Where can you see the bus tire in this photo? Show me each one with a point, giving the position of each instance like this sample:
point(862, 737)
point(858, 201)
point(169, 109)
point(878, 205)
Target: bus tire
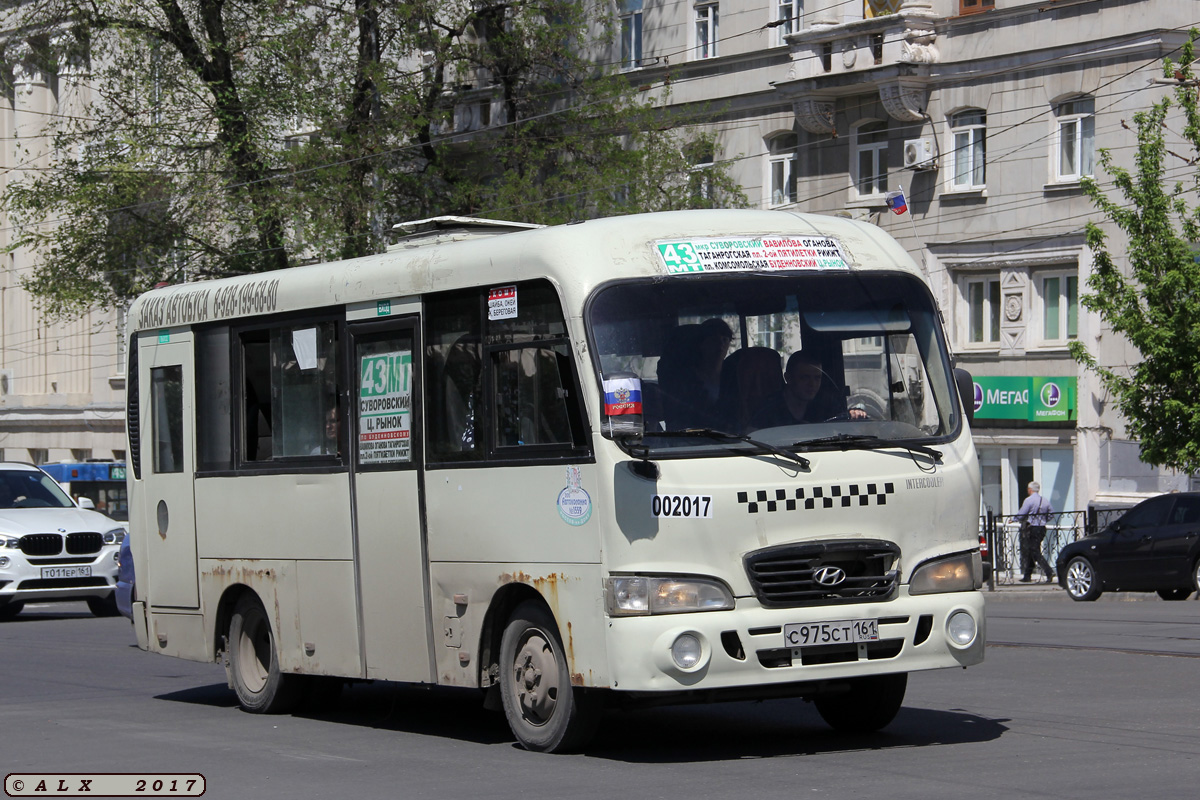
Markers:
point(254, 662)
point(103, 606)
point(870, 704)
point(545, 712)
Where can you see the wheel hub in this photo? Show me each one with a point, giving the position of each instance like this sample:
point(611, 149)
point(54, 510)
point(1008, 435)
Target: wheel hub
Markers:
point(536, 675)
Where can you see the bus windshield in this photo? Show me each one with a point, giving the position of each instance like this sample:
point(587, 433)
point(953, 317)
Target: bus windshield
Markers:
point(802, 361)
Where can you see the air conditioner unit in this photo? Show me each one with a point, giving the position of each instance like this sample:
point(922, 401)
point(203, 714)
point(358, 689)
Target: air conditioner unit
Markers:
point(918, 154)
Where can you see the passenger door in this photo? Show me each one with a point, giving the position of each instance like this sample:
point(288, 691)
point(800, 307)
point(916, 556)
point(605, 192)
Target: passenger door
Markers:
point(1128, 555)
point(169, 512)
point(1175, 542)
point(385, 447)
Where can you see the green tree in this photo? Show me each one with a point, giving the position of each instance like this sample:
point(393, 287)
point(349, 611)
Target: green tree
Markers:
point(234, 136)
point(1156, 305)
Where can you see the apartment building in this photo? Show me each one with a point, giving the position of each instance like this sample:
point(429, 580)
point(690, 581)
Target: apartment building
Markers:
point(62, 383)
point(987, 113)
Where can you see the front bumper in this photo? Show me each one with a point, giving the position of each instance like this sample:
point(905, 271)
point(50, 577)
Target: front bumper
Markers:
point(744, 648)
point(22, 579)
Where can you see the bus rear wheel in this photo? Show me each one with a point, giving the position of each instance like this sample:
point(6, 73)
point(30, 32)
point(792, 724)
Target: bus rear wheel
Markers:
point(545, 712)
point(870, 704)
point(254, 662)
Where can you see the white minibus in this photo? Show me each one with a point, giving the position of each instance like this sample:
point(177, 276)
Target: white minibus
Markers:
point(675, 457)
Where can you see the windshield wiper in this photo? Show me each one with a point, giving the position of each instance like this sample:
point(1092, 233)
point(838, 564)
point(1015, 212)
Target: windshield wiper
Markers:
point(863, 441)
point(710, 433)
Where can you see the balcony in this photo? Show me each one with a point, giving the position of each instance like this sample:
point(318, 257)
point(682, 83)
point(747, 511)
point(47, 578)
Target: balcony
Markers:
point(892, 54)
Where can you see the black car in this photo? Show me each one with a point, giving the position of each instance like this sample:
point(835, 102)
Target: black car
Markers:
point(1153, 547)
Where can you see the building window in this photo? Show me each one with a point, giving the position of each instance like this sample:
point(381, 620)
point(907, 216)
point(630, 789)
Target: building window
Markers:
point(631, 34)
point(975, 6)
point(700, 180)
point(706, 30)
point(781, 169)
point(1074, 138)
point(769, 331)
point(787, 14)
point(1059, 297)
point(983, 309)
point(968, 131)
point(870, 158)
point(827, 57)
point(39, 455)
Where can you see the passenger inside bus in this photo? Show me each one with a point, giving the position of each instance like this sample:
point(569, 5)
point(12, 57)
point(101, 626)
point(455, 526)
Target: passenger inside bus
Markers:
point(808, 395)
point(689, 374)
point(750, 375)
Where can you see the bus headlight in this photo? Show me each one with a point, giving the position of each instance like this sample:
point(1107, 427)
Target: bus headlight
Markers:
point(958, 573)
point(115, 536)
point(638, 595)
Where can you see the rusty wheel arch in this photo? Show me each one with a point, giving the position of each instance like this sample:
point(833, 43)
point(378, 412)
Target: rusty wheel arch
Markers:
point(504, 602)
point(225, 606)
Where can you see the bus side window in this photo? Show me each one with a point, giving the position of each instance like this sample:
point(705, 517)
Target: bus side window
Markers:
point(289, 392)
point(166, 418)
point(256, 396)
point(214, 449)
point(532, 383)
point(531, 396)
point(454, 388)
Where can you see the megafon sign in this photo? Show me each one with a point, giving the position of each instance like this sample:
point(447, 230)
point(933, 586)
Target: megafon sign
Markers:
point(1025, 397)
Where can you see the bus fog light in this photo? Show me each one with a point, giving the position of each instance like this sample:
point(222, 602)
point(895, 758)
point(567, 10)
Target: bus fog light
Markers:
point(961, 627)
point(686, 651)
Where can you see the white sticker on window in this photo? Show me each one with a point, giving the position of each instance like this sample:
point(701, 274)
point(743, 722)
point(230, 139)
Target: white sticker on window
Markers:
point(754, 253)
point(385, 408)
point(304, 345)
point(502, 303)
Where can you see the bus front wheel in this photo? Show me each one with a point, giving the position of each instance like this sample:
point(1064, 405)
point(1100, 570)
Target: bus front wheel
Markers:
point(869, 704)
point(254, 662)
point(545, 712)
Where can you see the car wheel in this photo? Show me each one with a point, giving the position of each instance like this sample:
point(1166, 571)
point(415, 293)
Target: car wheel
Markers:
point(11, 609)
point(103, 606)
point(1196, 575)
point(254, 662)
point(870, 704)
point(1081, 581)
point(545, 712)
point(1174, 594)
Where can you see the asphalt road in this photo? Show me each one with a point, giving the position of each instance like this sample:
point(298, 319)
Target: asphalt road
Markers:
point(1075, 700)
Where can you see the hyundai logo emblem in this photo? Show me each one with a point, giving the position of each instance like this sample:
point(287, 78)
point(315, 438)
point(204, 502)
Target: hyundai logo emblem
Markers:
point(830, 576)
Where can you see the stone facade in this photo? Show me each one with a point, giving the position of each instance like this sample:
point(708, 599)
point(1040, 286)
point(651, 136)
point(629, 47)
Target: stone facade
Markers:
point(986, 114)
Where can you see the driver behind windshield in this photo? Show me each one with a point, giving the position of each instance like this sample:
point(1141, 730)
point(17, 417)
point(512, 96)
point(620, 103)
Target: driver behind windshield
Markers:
point(808, 395)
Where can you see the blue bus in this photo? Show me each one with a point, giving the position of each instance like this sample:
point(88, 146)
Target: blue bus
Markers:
point(103, 482)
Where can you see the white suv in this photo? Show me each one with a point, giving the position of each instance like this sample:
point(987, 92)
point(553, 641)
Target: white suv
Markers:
point(50, 548)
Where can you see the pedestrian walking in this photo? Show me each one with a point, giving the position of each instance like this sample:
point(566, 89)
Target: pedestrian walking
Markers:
point(1035, 513)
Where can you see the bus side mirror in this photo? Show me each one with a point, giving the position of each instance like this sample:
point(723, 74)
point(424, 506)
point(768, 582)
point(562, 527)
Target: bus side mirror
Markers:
point(86, 502)
point(623, 406)
point(966, 392)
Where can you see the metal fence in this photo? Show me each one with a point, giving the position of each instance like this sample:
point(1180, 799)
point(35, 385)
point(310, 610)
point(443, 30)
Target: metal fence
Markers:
point(1003, 536)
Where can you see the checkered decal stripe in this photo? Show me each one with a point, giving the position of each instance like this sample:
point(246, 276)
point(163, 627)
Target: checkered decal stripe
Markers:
point(856, 494)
